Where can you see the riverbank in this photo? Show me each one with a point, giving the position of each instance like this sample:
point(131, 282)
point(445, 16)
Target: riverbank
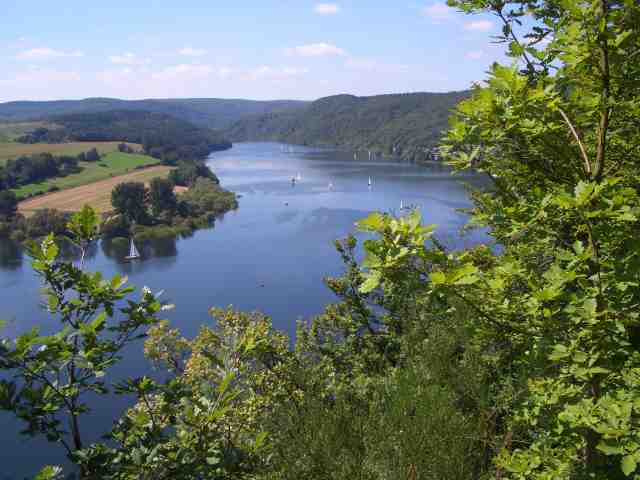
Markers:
point(183, 209)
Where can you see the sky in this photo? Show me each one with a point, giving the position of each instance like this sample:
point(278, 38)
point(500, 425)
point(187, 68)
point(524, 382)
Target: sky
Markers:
point(255, 49)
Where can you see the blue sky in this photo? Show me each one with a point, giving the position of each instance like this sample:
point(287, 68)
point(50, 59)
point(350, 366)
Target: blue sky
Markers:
point(263, 49)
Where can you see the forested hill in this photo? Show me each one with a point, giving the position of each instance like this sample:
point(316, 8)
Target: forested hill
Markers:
point(205, 112)
point(405, 124)
point(162, 136)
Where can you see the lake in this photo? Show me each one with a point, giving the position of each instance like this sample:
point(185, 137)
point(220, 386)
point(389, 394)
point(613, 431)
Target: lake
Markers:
point(270, 255)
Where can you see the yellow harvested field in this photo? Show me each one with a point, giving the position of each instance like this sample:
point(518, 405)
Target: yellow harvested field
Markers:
point(97, 194)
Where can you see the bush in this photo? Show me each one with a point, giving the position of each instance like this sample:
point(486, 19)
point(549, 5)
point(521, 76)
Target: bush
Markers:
point(115, 226)
point(207, 197)
point(43, 222)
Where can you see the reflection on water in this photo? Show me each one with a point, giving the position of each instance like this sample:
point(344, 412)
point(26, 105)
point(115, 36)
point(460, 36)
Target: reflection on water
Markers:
point(118, 248)
point(271, 254)
point(10, 255)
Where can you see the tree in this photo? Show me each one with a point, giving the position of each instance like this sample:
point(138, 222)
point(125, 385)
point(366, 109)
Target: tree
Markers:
point(124, 148)
point(47, 378)
point(8, 204)
point(189, 171)
point(130, 199)
point(92, 155)
point(559, 137)
point(161, 196)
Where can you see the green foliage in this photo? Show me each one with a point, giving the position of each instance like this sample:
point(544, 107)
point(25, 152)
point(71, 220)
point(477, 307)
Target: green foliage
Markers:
point(130, 199)
point(187, 173)
point(161, 196)
point(42, 223)
point(84, 225)
point(8, 205)
point(560, 139)
point(216, 113)
point(407, 125)
point(162, 136)
point(519, 363)
point(207, 198)
point(110, 165)
point(48, 376)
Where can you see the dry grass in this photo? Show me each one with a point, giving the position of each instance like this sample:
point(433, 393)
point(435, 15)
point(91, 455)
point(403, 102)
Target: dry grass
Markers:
point(13, 150)
point(97, 194)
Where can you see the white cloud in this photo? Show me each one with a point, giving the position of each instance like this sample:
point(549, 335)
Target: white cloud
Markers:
point(267, 72)
point(192, 52)
point(475, 55)
point(42, 84)
point(371, 65)
point(185, 70)
point(326, 8)
point(479, 26)
point(438, 12)
point(186, 73)
point(45, 53)
point(128, 59)
point(316, 50)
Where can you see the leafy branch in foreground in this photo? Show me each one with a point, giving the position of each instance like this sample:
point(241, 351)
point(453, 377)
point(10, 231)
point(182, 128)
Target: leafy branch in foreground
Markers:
point(50, 376)
point(558, 134)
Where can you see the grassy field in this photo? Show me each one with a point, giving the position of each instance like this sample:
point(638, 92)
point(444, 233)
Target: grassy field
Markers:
point(9, 131)
point(96, 194)
point(12, 150)
point(112, 164)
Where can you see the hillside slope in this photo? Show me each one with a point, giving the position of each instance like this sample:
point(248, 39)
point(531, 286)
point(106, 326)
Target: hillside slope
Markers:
point(405, 124)
point(204, 112)
point(162, 136)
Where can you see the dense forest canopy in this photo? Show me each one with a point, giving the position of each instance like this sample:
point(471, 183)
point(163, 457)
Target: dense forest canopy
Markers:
point(213, 113)
point(408, 125)
point(162, 136)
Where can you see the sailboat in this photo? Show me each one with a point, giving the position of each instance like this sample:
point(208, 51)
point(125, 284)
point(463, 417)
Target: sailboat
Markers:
point(355, 156)
point(330, 186)
point(133, 252)
point(401, 205)
point(369, 181)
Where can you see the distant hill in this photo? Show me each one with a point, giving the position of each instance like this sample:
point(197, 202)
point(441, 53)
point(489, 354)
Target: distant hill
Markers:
point(204, 112)
point(405, 124)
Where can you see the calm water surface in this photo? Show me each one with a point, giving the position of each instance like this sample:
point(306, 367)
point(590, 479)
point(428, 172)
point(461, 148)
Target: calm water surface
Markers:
point(270, 255)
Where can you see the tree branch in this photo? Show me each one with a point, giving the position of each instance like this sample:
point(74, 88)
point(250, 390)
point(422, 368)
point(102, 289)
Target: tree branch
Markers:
point(585, 157)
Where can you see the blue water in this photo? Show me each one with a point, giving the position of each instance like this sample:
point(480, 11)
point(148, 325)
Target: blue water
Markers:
point(270, 255)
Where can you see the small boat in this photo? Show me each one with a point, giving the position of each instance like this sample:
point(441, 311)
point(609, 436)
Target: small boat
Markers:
point(133, 252)
point(369, 181)
point(401, 205)
point(330, 186)
point(355, 156)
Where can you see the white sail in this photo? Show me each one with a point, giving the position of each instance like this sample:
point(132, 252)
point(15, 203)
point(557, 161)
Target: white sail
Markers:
point(369, 181)
point(133, 252)
point(401, 205)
